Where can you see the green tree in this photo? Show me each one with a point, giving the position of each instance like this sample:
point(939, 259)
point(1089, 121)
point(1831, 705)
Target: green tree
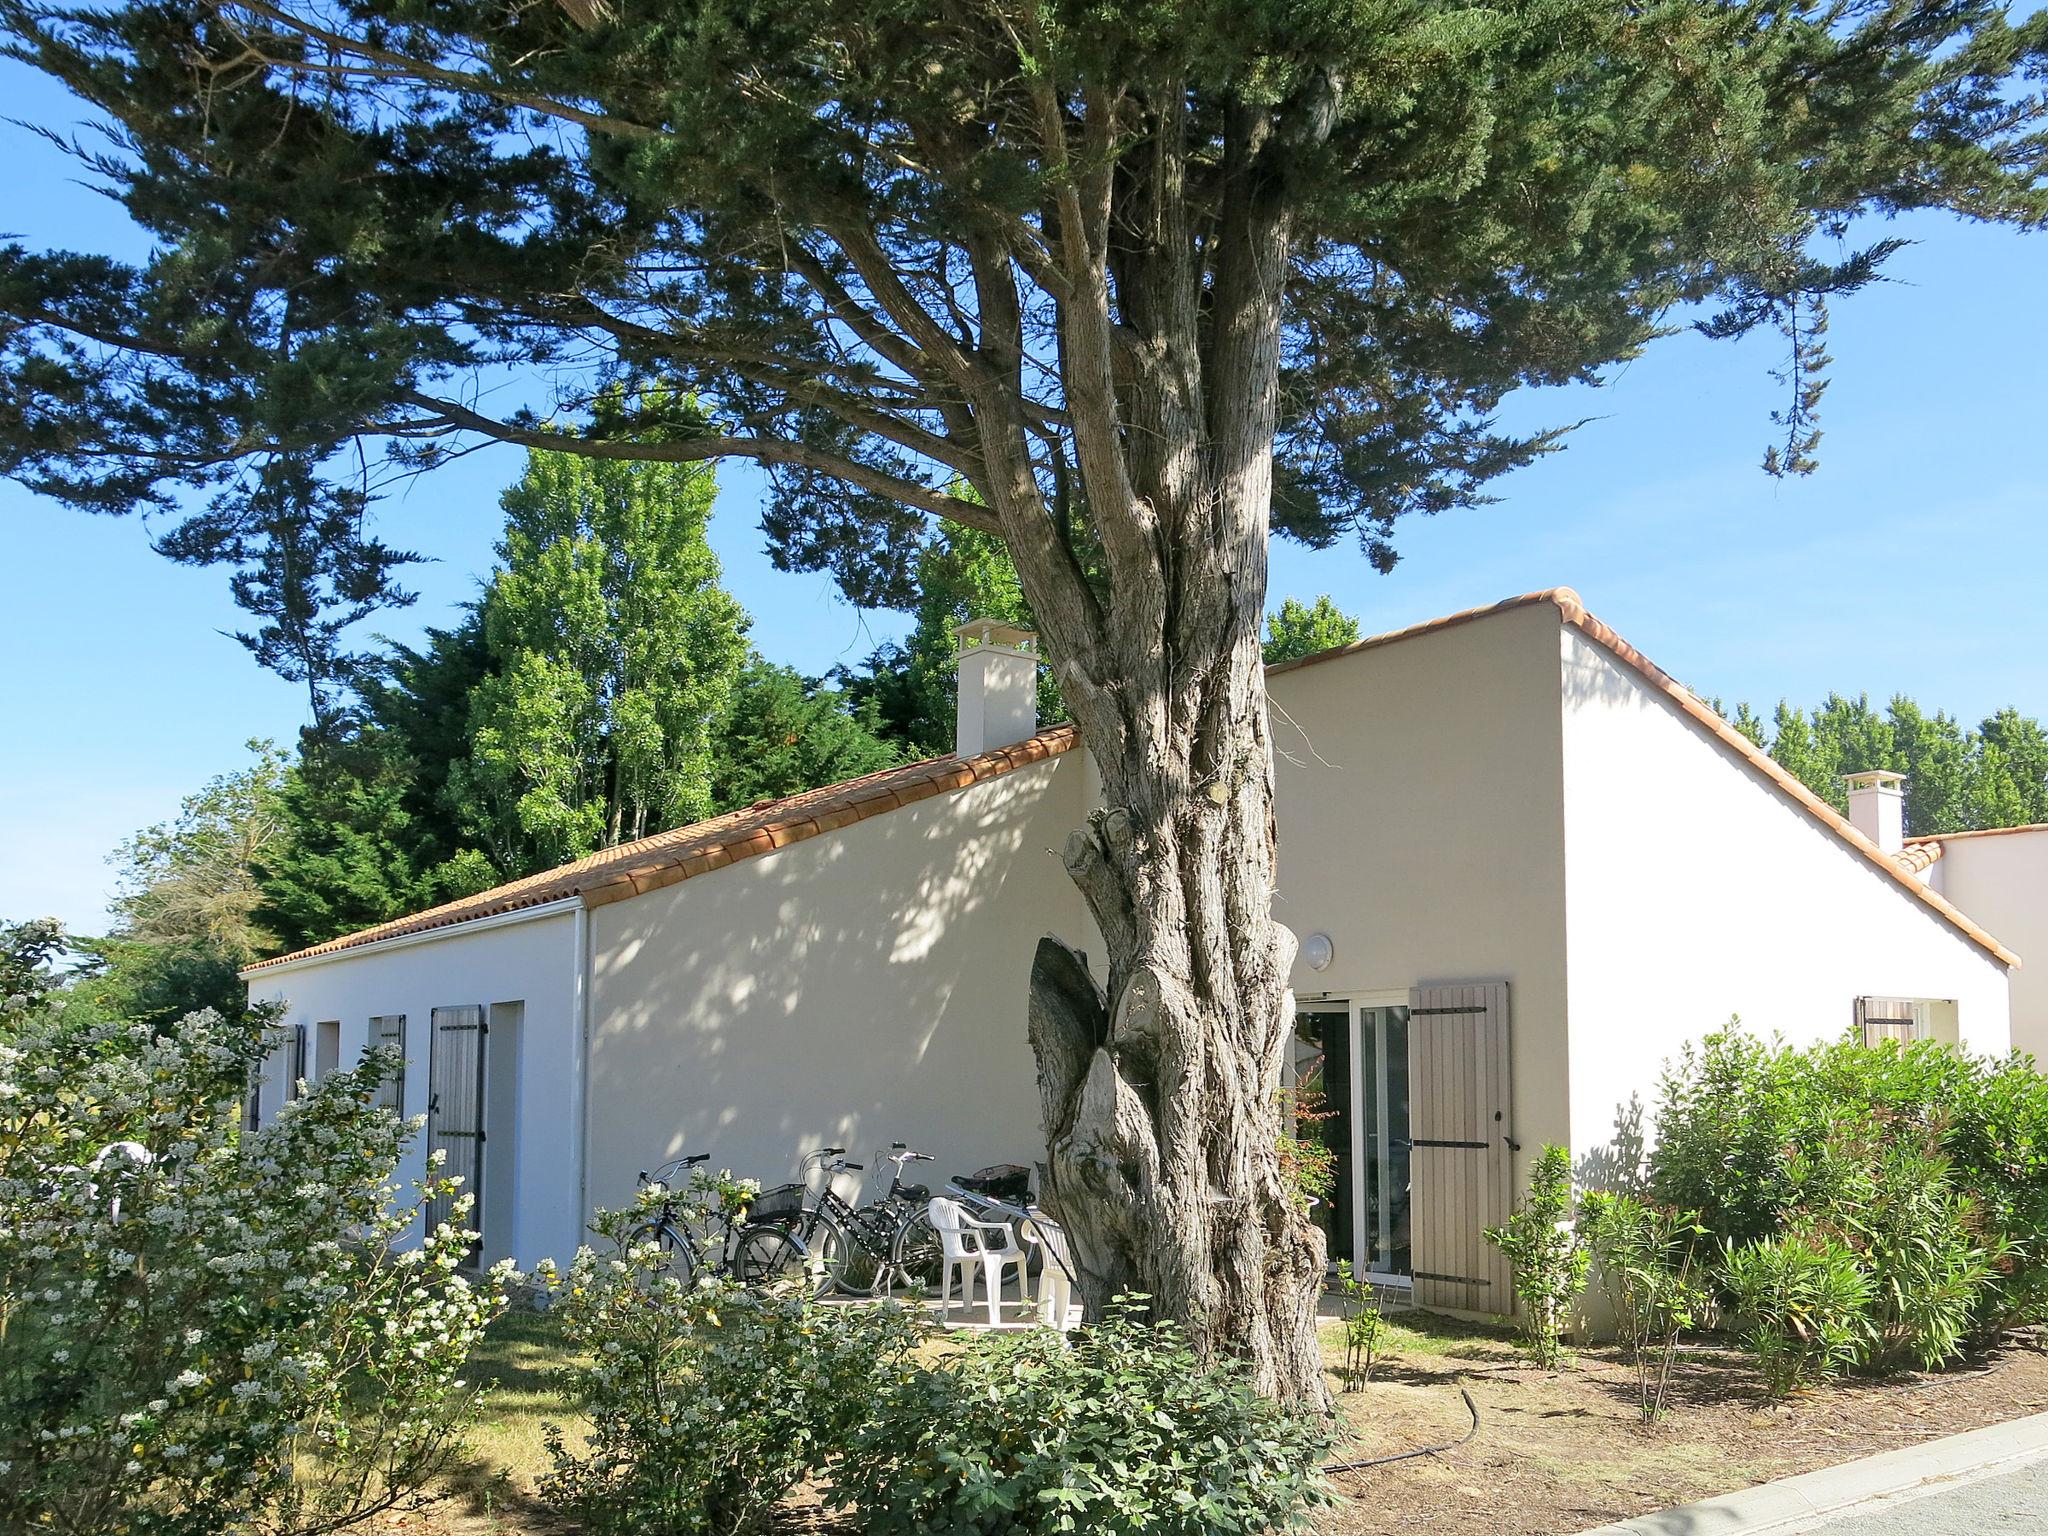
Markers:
point(1796, 749)
point(193, 880)
point(1150, 282)
point(614, 651)
point(782, 733)
point(2021, 748)
point(1294, 631)
point(914, 687)
point(1933, 752)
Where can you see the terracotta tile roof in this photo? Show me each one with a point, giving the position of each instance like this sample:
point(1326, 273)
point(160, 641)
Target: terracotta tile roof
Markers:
point(1949, 837)
point(632, 869)
point(1918, 854)
point(1568, 603)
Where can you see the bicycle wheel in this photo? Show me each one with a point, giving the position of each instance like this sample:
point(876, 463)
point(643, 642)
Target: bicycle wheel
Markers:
point(767, 1254)
point(862, 1269)
point(678, 1259)
point(915, 1255)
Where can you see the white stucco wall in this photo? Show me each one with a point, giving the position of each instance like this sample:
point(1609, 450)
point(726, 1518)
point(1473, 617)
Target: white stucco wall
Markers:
point(2001, 880)
point(531, 962)
point(1698, 890)
point(1421, 827)
point(857, 988)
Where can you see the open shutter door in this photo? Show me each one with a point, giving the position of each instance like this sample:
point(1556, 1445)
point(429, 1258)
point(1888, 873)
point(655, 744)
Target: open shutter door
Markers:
point(455, 1108)
point(1461, 1169)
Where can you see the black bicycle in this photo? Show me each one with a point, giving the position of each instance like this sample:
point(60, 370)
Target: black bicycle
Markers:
point(724, 1243)
point(867, 1249)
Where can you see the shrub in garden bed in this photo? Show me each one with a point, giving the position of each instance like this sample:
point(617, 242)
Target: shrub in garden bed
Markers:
point(1549, 1255)
point(1113, 1431)
point(1877, 1207)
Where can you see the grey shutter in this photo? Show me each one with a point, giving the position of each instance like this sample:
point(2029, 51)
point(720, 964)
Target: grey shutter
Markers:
point(1461, 1165)
point(1892, 1018)
point(455, 1107)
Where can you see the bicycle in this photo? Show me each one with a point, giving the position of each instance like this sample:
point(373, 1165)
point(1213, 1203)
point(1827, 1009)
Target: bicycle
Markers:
point(863, 1247)
point(722, 1242)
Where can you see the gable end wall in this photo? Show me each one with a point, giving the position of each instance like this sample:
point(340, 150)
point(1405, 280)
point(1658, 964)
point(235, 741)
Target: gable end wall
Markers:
point(1697, 890)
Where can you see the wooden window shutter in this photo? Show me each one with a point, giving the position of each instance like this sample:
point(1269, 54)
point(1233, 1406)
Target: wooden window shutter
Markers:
point(1903, 1019)
point(1462, 1164)
point(455, 1107)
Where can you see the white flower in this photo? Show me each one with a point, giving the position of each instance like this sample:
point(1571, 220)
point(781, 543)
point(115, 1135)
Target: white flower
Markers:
point(186, 1380)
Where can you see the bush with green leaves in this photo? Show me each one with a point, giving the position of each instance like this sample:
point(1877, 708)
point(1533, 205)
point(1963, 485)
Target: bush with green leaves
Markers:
point(204, 1328)
point(1648, 1261)
point(1115, 1430)
point(1549, 1257)
point(709, 1402)
point(1802, 1304)
point(1930, 1166)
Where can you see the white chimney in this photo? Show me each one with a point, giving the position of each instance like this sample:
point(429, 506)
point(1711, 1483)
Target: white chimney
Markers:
point(998, 686)
point(1877, 807)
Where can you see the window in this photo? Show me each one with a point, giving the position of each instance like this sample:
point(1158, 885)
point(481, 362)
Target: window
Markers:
point(297, 1075)
point(1906, 1019)
point(389, 1029)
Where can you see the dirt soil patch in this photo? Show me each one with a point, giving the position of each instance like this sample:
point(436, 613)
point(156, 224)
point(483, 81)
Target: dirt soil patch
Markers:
point(1558, 1452)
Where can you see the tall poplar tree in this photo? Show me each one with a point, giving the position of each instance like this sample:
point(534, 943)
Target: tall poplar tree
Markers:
point(1144, 281)
point(613, 651)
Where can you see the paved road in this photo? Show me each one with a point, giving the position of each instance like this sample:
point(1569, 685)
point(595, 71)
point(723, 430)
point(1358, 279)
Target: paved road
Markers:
point(2003, 1505)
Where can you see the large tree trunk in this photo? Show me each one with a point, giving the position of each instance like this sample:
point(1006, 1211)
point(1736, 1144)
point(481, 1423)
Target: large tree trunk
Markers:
point(1160, 1091)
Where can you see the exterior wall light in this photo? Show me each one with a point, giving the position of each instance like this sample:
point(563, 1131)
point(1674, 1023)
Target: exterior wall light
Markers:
point(1317, 951)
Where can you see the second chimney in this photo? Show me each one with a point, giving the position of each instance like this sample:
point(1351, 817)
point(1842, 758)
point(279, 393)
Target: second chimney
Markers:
point(1877, 807)
point(998, 686)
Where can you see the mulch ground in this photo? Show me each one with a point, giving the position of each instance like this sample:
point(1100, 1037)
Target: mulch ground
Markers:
point(1559, 1452)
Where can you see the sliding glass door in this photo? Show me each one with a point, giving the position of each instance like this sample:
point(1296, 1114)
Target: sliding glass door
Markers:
point(1350, 1075)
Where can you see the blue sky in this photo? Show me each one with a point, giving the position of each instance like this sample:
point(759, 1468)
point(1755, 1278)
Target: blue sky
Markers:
point(1913, 562)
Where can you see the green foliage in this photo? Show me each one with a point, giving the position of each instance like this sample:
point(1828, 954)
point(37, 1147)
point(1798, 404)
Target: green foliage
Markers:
point(1294, 631)
point(707, 1403)
point(204, 1328)
point(782, 733)
point(1927, 1167)
point(1114, 1431)
point(1549, 1255)
point(1647, 1258)
point(193, 880)
point(614, 650)
point(189, 912)
point(912, 689)
point(1365, 1326)
point(605, 193)
point(1957, 780)
point(1802, 1302)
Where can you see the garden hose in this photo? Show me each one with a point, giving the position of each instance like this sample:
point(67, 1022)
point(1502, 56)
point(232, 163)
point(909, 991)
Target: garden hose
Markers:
point(1471, 1407)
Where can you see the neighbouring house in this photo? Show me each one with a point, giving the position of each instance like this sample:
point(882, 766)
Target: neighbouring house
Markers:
point(2000, 877)
point(1526, 866)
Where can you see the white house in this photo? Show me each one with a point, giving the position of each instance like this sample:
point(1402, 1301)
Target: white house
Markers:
point(1527, 866)
point(2000, 877)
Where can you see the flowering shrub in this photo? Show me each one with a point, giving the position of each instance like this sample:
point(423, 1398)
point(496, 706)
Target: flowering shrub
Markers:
point(1112, 1431)
point(707, 1402)
point(203, 1328)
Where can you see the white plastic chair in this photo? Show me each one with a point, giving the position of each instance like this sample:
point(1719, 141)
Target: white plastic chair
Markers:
point(1055, 1271)
point(970, 1244)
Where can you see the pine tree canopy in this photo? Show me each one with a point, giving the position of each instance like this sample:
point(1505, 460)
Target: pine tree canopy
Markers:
point(895, 250)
